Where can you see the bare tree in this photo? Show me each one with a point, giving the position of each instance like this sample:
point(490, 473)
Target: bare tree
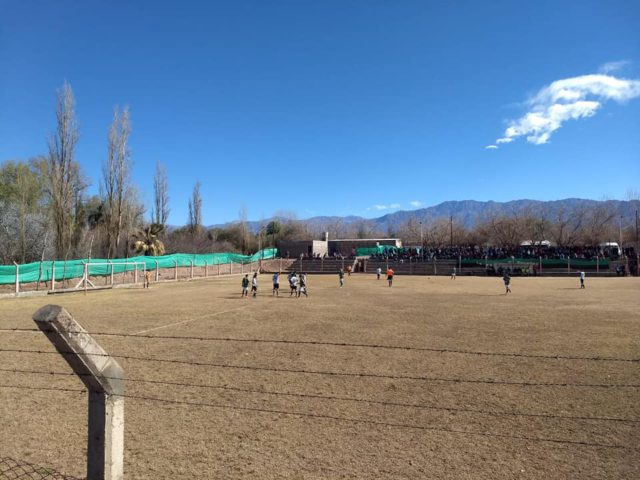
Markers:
point(160, 213)
point(62, 170)
point(567, 226)
point(242, 214)
point(599, 224)
point(195, 210)
point(116, 175)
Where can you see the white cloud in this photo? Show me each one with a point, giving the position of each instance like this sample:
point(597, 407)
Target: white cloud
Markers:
point(491, 147)
point(610, 67)
point(384, 207)
point(567, 99)
point(415, 203)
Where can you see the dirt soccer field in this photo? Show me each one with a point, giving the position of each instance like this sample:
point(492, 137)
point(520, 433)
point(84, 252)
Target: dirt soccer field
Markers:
point(449, 405)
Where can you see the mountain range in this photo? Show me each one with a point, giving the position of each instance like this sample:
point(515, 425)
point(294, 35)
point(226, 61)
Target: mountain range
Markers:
point(467, 212)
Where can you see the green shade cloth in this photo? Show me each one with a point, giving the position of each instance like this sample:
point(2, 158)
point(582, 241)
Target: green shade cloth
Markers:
point(29, 272)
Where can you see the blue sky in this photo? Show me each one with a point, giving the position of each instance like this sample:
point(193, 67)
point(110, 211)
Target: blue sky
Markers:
point(335, 107)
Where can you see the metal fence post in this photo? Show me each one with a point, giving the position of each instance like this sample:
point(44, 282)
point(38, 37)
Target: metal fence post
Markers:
point(104, 378)
point(568, 265)
point(17, 278)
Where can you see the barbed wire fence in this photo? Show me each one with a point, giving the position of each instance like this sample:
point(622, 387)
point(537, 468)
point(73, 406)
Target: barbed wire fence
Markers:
point(15, 468)
point(11, 469)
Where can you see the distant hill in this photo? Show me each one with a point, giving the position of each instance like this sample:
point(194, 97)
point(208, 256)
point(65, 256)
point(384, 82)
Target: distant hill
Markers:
point(467, 212)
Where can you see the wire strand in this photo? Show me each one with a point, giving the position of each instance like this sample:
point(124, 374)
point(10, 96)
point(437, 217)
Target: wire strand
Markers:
point(346, 344)
point(347, 419)
point(337, 374)
point(333, 397)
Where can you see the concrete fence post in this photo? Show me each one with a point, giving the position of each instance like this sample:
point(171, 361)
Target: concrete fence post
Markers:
point(104, 378)
point(218, 268)
point(17, 278)
point(568, 265)
point(157, 270)
point(241, 267)
point(597, 263)
point(53, 276)
point(175, 271)
point(191, 272)
point(111, 264)
point(206, 267)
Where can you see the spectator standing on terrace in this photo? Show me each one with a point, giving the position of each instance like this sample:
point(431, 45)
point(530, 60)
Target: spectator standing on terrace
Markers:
point(245, 285)
point(341, 277)
point(507, 281)
point(390, 276)
point(254, 285)
point(276, 284)
point(378, 273)
point(582, 275)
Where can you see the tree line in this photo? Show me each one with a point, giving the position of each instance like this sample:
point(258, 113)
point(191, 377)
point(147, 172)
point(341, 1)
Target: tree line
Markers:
point(46, 212)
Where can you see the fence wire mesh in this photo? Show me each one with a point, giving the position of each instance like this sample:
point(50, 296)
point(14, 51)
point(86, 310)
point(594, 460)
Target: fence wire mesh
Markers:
point(11, 469)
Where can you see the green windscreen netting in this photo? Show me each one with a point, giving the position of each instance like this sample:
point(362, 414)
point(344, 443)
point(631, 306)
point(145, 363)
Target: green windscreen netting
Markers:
point(546, 262)
point(43, 271)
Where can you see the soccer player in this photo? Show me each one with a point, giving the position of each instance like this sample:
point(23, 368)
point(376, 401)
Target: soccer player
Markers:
point(453, 273)
point(507, 281)
point(303, 285)
point(390, 276)
point(582, 275)
point(147, 279)
point(293, 284)
point(276, 284)
point(378, 273)
point(245, 286)
point(341, 277)
point(254, 285)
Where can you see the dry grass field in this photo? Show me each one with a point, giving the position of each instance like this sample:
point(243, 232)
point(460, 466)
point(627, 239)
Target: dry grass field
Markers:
point(417, 412)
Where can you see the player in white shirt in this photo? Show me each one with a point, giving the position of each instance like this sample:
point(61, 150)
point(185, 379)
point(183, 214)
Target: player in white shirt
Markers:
point(582, 275)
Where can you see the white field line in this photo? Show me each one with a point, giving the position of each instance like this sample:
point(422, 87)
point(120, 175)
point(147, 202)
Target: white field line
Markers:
point(189, 320)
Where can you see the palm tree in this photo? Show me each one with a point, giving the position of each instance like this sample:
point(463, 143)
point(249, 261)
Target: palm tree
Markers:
point(147, 242)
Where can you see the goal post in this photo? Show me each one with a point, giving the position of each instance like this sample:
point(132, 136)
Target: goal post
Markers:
point(108, 269)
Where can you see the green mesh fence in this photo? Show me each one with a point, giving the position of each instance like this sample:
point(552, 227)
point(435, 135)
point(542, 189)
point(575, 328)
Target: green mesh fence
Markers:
point(546, 262)
point(43, 271)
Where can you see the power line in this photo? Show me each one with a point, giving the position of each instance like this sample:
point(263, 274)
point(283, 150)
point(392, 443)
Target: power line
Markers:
point(339, 374)
point(351, 420)
point(334, 397)
point(345, 344)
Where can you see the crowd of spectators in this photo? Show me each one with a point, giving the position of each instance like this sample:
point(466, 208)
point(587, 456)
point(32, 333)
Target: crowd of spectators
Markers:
point(480, 252)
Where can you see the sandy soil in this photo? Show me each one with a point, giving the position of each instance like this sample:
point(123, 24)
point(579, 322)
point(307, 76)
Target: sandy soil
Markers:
point(233, 439)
